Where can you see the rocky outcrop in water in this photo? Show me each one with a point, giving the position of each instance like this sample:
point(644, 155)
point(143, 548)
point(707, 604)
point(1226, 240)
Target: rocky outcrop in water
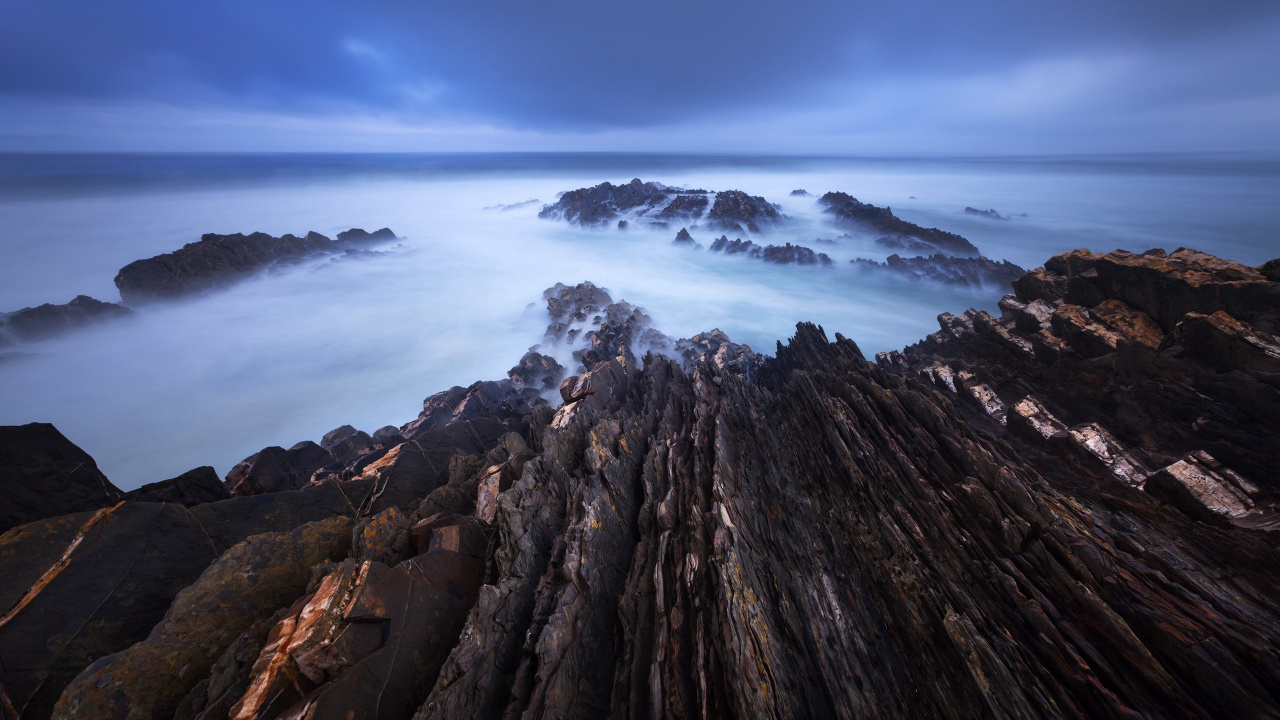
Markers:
point(605, 202)
point(1066, 512)
point(219, 259)
point(989, 214)
point(736, 210)
point(898, 234)
point(43, 321)
point(976, 272)
point(787, 254)
point(684, 239)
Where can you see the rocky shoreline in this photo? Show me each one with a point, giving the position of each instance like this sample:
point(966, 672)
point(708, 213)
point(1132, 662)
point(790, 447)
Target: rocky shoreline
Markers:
point(1067, 511)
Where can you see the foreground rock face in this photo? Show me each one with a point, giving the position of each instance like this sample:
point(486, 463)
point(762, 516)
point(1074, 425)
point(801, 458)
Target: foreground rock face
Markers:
point(34, 323)
point(898, 234)
point(1014, 518)
point(193, 487)
point(218, 259)
point(43, 474)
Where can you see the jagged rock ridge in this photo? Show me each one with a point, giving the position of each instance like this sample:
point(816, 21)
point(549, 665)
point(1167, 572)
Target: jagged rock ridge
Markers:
point(960, 271)
point(217, 259)
point(899, 234)
point(808, 535)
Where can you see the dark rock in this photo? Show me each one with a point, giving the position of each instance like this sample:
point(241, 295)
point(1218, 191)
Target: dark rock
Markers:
point(274, 469)
point(193, 487)
point(849, 210)
point(115, 573)
point(537, 371)
point(602, 203)
point(683, 238)
point(245, 585)
point(34, 323)
point(219, 259)
point(685, 206)
point(43, 474)
point(737, 247)
point(801, 193)
point(794, 255)
point(964, 272)
point(989, 214)
point(622, 224)
point(736, 210)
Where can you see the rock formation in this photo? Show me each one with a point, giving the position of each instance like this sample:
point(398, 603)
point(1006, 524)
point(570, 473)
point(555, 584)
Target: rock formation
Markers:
point(43, 474)
point(801, 193)
point(964, 272)
point(898, 234)
point(193, 487)
point(1065, 512)
point(787, 254)
point(218, 259)
point(603, 203)
point(34, 323)
point(684, 239)
point(989, 214)
point(736, 210)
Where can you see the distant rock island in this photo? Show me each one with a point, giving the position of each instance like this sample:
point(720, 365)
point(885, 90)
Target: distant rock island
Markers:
point(218, 259)
point(898, 234)
point(1069, 510)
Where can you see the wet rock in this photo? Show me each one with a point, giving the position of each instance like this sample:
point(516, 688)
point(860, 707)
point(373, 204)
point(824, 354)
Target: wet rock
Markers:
point(684, 239)
point(601, 204)
point(537, 371)
point(736, 210)
point(34, 323)
point(989, 214)
point(974, 272)
point(193, 487)
point(789, 254)
point(685, 206)
point(218, 259)
point(43, 474)
point(900, 233)
point(245, 585)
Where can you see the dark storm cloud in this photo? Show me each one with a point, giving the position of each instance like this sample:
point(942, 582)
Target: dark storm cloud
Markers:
point(597, 66)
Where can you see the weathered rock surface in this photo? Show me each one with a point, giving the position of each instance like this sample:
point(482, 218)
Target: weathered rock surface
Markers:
point(247, 584)
point(43, 474)
point(736, 210)
point(787, 254)
point(974, 272)
point(274, 469)
point(899, 234)
point(1017, 517)
point(605, 202)
point(218, 259)
point(193, 487)
point(42, 321)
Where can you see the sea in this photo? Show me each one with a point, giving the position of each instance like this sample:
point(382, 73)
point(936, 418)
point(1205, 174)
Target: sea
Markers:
point(293, 352)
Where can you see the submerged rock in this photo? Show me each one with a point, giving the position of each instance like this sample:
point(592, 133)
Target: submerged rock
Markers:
point(219, 259)
point(899, 234)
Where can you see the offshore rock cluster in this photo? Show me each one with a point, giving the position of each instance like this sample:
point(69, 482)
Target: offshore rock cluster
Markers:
point(1064, 512)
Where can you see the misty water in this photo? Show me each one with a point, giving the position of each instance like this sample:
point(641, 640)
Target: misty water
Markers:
point(291, 354)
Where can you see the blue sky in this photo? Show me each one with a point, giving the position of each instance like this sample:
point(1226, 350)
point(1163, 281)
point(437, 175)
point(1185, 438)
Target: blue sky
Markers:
point(983, 77)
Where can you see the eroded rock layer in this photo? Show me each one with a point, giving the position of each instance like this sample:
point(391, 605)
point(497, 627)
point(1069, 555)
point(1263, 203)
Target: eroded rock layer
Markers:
point(1016, 518)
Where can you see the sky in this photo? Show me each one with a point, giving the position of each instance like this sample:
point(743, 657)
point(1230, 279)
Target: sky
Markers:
point(815, 77)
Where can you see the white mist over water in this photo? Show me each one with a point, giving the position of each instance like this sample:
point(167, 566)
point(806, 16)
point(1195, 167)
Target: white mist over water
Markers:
point(290, 355)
